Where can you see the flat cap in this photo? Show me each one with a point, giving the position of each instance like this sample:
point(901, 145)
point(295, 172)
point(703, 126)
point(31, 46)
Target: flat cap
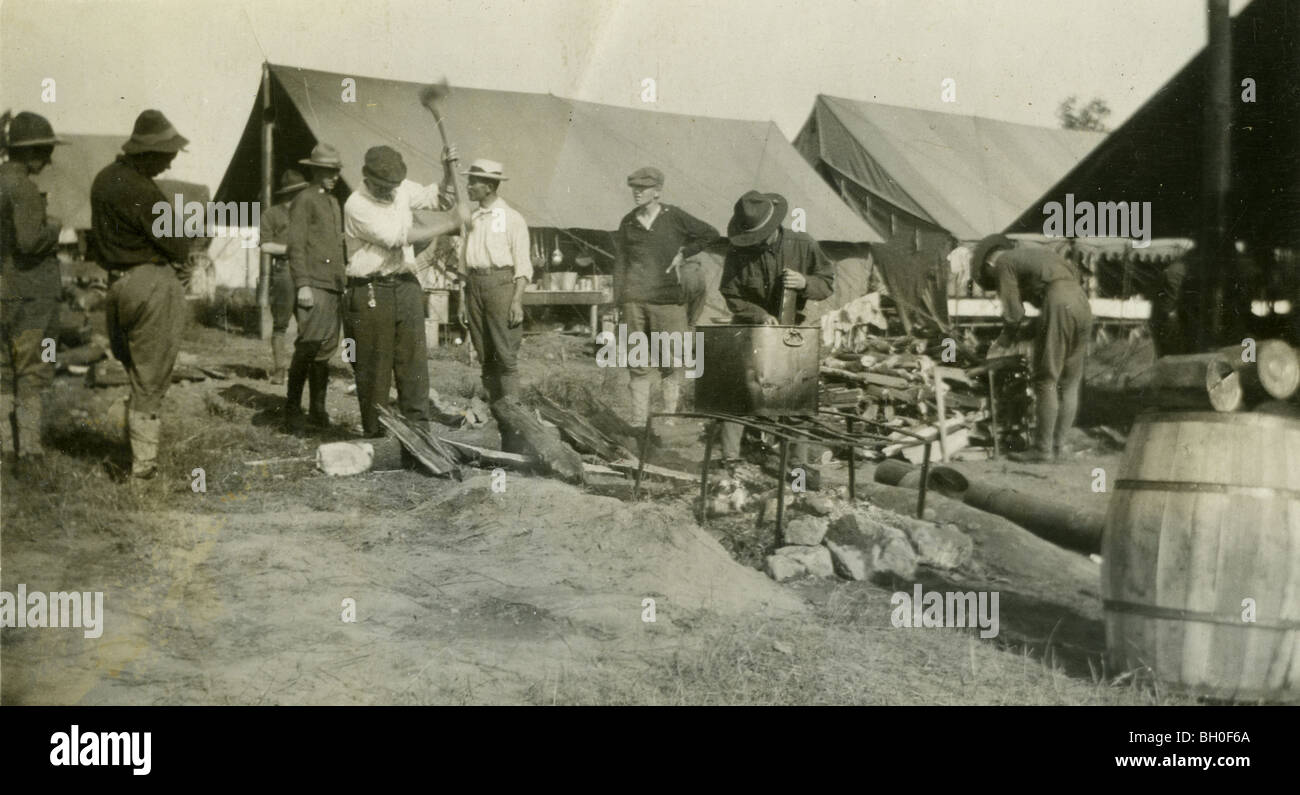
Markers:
point(648, 177)
point(384, 164)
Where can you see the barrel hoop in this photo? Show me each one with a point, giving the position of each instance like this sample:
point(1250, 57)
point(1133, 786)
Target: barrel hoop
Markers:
point(1180, 614)
point(1206, 488)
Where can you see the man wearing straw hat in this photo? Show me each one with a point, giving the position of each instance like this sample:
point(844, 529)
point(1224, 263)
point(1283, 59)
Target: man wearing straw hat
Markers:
point(384, 304)
point(317, 260)
point(146, 309)
point(651, 244)
point(29, 283)
point(275, 241)
point(497, 258)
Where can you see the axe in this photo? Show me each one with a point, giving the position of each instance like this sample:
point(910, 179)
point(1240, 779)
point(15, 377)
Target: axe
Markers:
point(431, 97)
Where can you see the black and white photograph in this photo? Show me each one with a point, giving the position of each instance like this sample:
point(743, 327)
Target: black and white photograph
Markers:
point(675, 353)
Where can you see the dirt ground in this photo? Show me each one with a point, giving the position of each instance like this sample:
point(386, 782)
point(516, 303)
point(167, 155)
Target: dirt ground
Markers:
point(536, 594)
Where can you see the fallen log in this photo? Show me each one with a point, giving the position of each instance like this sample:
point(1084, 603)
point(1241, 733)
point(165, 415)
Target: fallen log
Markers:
point(1275, 373)
point(555, 456)
point(1196, 381)
point(1072, 529)
point(581, 434)
point(426, 448)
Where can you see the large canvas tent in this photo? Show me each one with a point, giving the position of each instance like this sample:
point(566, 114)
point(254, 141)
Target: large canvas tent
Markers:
point(567, 160)
point(935, 177)
point(1158, 154)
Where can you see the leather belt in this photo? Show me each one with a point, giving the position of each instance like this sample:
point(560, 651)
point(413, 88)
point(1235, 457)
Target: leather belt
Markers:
point(382, 281)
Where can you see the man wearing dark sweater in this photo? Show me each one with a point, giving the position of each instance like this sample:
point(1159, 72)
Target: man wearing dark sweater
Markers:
point(651, 243)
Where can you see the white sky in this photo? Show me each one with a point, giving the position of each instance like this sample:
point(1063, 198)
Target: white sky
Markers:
point(199, 60)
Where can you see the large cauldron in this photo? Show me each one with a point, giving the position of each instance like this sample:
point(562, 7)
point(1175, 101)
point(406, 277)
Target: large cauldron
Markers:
point(769, 371)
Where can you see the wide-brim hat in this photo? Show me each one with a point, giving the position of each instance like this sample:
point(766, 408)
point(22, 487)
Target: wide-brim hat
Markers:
point(323, 156)
point(291, 180)
point(486, 169)
point(983, 249)
point(153, 133)
point(30, 129)
point(755, 217)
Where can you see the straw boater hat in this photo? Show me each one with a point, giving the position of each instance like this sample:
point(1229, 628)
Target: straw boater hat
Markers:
point(291, 180)
point(153, 133)
point(30, 129)
point(755, 217)
point(323, 156)
point(486, 169)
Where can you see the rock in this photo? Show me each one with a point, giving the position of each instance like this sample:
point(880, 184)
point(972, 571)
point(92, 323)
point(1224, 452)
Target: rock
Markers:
point(893, 554)
point(942, 546)
point(769, 508)
point(805, 530)
point(345, 458)
point(817, 505)
point(849, 562)
point(784, 567)
point(816, 560)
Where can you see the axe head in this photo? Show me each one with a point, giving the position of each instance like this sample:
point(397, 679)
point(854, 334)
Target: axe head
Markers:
point(434, 92)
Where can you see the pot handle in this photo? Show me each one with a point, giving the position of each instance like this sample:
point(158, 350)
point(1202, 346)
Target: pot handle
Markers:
point(793, 338)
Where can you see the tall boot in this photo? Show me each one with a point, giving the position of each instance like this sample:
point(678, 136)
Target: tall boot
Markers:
point(7, 434)
point(279, 357)
point(298, 369)
point(318, 380)
point(29, 410)
point(672, 392)
point(144, 429)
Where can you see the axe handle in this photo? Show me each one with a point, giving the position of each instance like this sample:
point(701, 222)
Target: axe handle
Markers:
point(457, 185)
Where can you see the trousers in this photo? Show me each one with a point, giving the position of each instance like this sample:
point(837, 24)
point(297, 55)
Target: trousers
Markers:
point(1059, 355)
point(488, 293)
point(146, 315)
point(318, 326)
point(25, 324)
point(390, 346)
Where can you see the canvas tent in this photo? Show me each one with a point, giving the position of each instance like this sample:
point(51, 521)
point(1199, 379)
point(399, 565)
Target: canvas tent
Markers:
point(1158, 154)
point(567, 161)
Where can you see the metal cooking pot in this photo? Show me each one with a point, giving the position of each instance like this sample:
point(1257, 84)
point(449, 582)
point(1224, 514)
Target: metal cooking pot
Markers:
point(769, 371)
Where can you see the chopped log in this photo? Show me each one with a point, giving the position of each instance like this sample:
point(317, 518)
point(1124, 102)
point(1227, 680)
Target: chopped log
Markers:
point(556, 457)
point(1274, 374)
point(473, 454)
point(426, 448)
point(1196, 381)
point(878, 379)
point(584, 436)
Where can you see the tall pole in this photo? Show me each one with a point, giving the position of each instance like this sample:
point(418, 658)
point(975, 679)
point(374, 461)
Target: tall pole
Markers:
point(1217, 252)
point(268, 160)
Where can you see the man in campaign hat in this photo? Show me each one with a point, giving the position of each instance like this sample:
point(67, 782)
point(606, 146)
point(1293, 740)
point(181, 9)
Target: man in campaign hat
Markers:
point(763, 261)
point(650, 246)
point(29, 283)
point(146, 309)
point(317, 259)
point(275, 241)
point(1041, 276)
point(384, 303)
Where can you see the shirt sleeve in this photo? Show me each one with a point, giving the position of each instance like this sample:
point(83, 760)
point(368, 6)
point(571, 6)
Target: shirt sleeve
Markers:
point(743, 310)
point(620, 264)
point(175, 247)
point(1013, 309)
point(697, 234)
point(428, 197)
point(272, 232)
point(34, 236)
point(520, 250)
point(300, 214)
point(819, 272)
point(370, 223)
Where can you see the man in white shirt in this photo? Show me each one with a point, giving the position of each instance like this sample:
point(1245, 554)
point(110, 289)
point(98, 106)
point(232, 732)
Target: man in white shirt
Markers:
point(384, 305)
point(497, 260)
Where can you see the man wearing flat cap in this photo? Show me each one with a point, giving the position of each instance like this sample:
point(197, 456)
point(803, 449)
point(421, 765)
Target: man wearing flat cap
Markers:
point(146, 309)
point(497, 259)
point(316, 263)
point(764, 260)
point(650, 246)
point(30, 285)
point(1041, 276)
point(384, 304)
point(275, 241)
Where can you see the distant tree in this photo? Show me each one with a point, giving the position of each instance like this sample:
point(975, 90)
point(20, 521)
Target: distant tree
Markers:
point(1089, 117)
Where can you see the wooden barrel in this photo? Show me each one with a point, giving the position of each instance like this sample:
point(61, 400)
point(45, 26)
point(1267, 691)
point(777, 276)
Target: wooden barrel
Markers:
point(1204, 516)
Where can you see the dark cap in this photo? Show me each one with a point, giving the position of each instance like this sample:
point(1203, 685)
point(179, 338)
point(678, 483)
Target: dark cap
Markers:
point(648, 177)
point(384, 164)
